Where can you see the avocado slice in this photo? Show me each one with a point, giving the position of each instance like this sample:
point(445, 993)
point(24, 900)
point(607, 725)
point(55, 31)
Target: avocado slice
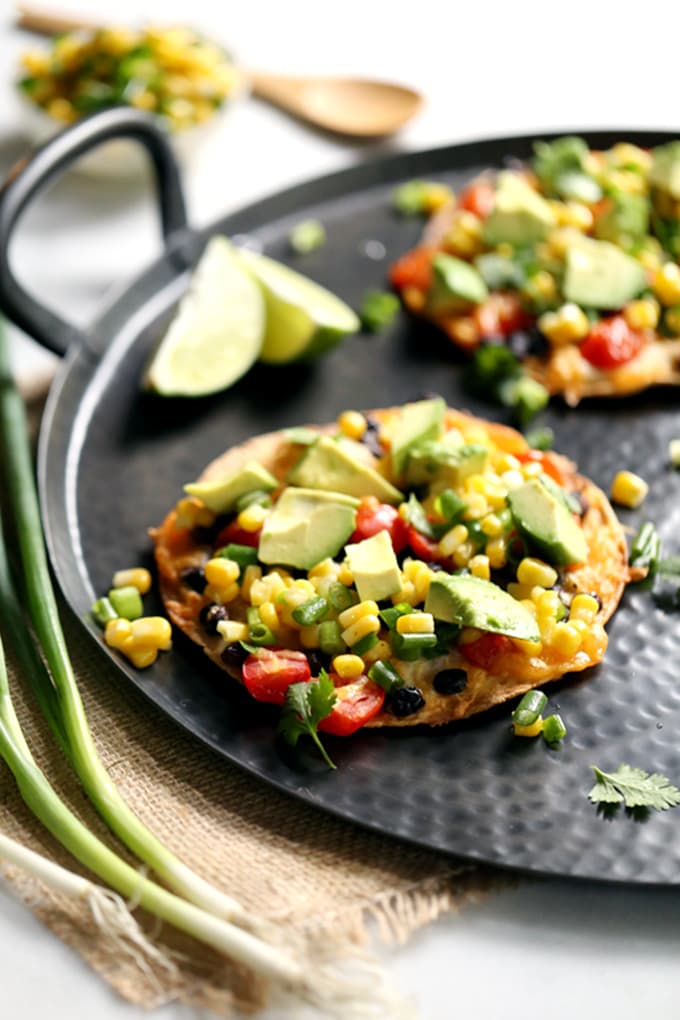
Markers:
point(221, 494)
point(600, 275)
point(520, 216)
point(306, 526)
point(454, 283)
point(438, 461)
point(417, 423)
point(328, 464)
point(374, 567)
point(625, 220)
point(665, 170)
point(547, 523)
point(472, 602)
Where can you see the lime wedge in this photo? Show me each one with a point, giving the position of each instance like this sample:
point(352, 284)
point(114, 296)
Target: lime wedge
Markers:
point(217, 332)
point(303, 319)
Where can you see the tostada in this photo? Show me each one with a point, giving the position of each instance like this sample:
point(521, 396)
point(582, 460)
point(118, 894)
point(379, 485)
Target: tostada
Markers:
point(570, 259)
point(432, 562)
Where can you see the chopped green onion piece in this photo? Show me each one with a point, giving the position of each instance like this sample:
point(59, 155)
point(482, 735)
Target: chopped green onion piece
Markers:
point(529, 708)
point(307, 236)
point(409, 647)
point(561, 611)
point(365, 644)
point(127, 602)
point(450, 505)
point(541, 439)
point(339, 596)
point(378, 309)
point(103, 612)
point(311, 611)
point(258, 632)
point(244, 555)
point(391, 615)
point(553, 729)
point(330, 638)
point(257, 496)
point(674, 452)
point(384, 674)
point(646, 548)
point(525, 396)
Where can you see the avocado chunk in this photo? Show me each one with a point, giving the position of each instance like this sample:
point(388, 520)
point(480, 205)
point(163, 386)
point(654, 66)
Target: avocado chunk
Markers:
point(221, 494)
point(665, 170)
point(600, 275)
point(306, 526)
point(374, 567)
point(417, 423)
point(328, 464)
point(625, 219)
point(548, 525)
point(455, 283)
point(440, 462)
point(472, 602)
point(520, 216)
point(499, 272)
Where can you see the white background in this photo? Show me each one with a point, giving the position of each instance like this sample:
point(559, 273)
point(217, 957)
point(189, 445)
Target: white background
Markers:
point(562, 949)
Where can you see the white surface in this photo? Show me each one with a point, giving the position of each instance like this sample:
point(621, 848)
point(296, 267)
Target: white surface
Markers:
point(555, 948)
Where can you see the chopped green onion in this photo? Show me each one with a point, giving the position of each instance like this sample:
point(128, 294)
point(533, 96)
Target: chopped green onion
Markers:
point(330, 638)
point(258, 632)
point(127, 602)
point(244, 555)
point(450, 505)
point(529, 708)
point(646, 549)
point(339, 596)
point(525, 396)
point(391, 615)
point(378, 309)
point(103, 612)
point(307, 236)
point(409, 647)
point(553, 729)
point(541, 439)
point(311, 611)
point(384, 674)
point(365, 644)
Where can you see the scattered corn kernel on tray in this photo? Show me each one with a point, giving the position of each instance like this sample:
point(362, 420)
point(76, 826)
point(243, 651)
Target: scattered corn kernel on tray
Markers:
point(114, 459)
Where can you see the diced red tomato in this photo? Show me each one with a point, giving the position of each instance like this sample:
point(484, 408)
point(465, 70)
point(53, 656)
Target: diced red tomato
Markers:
point(358, 700)
point(485, 650)
point(424, 548)
point(501, 315)
point(414, 269)
point(373, 517)
point(239, 536)
point(477, 198)
point(545, 460)
point(611, 342)
point(268, 673)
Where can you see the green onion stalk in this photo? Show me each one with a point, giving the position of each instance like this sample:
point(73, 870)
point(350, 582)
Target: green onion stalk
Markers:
point(65, 712)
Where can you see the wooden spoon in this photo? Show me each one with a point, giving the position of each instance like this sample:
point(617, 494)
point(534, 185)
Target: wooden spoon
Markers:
point(361, 107)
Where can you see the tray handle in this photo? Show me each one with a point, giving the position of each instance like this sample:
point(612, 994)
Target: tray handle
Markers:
point(31, 175)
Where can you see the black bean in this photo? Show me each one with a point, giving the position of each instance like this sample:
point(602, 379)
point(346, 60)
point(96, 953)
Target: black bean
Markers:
point(317, 660)
point(371, 437)
point(194, 578)
point(524, 342)
point(450, 681)
point(211, 615)
point(403, 701)
point(234, 655)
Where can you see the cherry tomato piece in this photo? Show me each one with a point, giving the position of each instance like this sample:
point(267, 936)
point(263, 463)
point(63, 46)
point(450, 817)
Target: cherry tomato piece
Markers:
point(425, 548)
point(414, 269)
point(501, 315)
point(545, 460)
point(358, 700)
point(611, 342)
point(268, 673)
point(373, 517)
point(239, 536)
point(484, 651)
point(477, 198)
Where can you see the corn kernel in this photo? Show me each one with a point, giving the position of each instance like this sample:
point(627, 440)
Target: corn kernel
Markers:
point(251, 574)
point(269, 616)
point(191, 513)
point(407, 593)
point(628, 489)
point(528, 647)
point(253, 517)
point(566, 640)
point(506, 462)
point(496, 550)
point(415, 623)
point(491, 525)
point(583, 607)
point(152, 632)
point(380, 650)
point(452, 540)
point(222, 595)
point(532, 571)
point(674, 453)
point(666, 283)
point(352, 424)
point(477, 506)
point(309, 636)
point(547, 604)
point(512, 479)
point(135, 577)
point(348, 666)
point(569, 324)
point(141, 657)
point(463, 329)
point(220, 572)
point(642, 314)
point(468, 635)
point(117, 633)
point(232, 631)
point(324, 568)
point(532, 730)
point(532, 469)
point(267, 588)
point(463, 554)
point(350, 616)
point(479, 567)
point(345, 575)
point(364, 626)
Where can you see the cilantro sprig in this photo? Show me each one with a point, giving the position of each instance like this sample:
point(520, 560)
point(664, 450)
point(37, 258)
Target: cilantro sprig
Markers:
point(635, 788)
point(306, 704)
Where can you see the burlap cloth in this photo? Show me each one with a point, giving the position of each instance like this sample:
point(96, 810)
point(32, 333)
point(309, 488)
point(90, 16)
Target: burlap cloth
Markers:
point(322, 877)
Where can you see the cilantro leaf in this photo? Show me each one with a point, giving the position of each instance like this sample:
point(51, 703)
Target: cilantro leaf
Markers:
point(635, 788)
point(306, 704)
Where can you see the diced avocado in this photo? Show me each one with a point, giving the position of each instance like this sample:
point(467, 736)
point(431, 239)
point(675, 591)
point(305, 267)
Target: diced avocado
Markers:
point(417, 423)
point(520, 216)
point(374, 567)
point(548, 525)
point(441, 462)
point(331, 465)
point(221, 494)
point(472, 602)
point(306, 526)
point(624, 220)
point(579, 186)
point(455, 283)
point(499, 272)
point(600, 275)
point(665, 169)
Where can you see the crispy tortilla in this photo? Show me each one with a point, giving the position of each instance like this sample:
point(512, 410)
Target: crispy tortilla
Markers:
point(605, 574)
